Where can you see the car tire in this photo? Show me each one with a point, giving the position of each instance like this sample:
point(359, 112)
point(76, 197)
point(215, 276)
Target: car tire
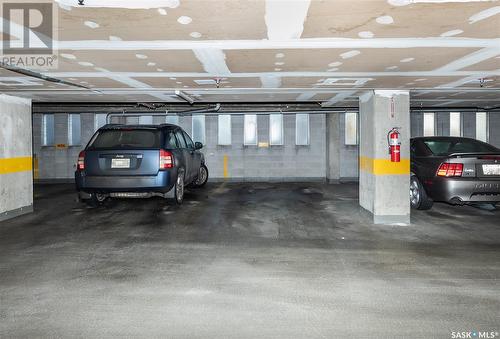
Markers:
point(179, 189)
point(96, 199)
point(418, 197)
point(202, 178)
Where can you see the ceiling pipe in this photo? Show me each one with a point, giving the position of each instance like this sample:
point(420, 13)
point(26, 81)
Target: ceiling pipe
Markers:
point(41, 76)
point(232, 108)
point(185, 96)
point(182, 113)
point(203, 110)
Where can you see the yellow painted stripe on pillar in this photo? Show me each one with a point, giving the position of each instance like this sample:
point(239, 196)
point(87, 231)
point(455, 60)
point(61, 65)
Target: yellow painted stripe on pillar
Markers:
point(13, 165)
point(226, 172)
point(384, 166)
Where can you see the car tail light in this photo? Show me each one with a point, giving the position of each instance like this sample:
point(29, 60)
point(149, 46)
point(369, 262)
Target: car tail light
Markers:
point(166, 159)
point(81, 161)
point(450, 170)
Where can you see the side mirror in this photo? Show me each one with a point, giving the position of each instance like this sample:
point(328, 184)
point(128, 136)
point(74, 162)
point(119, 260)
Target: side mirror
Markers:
point(198, 145)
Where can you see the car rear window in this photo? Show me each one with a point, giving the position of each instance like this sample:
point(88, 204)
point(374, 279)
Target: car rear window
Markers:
point(125, 138)
point(445, 147)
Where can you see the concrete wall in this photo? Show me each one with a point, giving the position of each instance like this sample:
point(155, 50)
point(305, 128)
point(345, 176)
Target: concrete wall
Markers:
point(494, 124)
point(59, 162)
point(16, 178)
point(288, 162)
point(417, 124)
point(349, 154)
point(468, 125)
point(244, 163)
point(333, 142)
point(342, 160)
point(326, 153)
point(442, 123)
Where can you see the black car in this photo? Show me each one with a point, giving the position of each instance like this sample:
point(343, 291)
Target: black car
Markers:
point(139, 161)
point(453, 170)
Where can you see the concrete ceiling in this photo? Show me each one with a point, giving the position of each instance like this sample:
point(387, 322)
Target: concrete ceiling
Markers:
point(329, 51)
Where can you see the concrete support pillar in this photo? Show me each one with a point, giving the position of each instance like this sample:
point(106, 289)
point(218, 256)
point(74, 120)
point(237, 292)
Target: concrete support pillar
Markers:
point(333, 147)
point(384, 185)
point(16, 178)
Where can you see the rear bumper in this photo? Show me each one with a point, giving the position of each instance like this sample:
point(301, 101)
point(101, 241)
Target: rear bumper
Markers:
point(463, 190)
point(161, 183)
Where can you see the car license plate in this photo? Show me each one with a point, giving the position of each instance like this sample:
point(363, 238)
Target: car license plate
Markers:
point(491, 169)
point(120, 163)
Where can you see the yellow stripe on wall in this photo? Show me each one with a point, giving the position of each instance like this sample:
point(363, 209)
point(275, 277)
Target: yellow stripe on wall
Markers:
point(226, 172)
point(13, 165)
point(384, 166)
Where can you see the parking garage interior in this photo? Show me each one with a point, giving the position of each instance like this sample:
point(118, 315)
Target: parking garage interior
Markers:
point(304, 228)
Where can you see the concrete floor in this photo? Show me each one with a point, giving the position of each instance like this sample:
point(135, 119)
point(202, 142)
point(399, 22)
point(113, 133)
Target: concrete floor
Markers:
point(246, 261)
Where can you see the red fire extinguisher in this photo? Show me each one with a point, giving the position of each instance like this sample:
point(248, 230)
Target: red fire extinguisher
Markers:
point(394, 144)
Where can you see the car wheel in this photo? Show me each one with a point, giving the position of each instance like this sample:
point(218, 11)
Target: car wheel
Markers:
point(418, 197)
point(96, 199)
point(202, 178)
point(179, 189)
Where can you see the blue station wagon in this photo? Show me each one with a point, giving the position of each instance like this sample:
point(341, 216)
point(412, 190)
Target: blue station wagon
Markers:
point(139, 161)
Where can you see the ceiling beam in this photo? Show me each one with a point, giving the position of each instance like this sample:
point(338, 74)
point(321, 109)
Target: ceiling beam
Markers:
point(309, 43)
